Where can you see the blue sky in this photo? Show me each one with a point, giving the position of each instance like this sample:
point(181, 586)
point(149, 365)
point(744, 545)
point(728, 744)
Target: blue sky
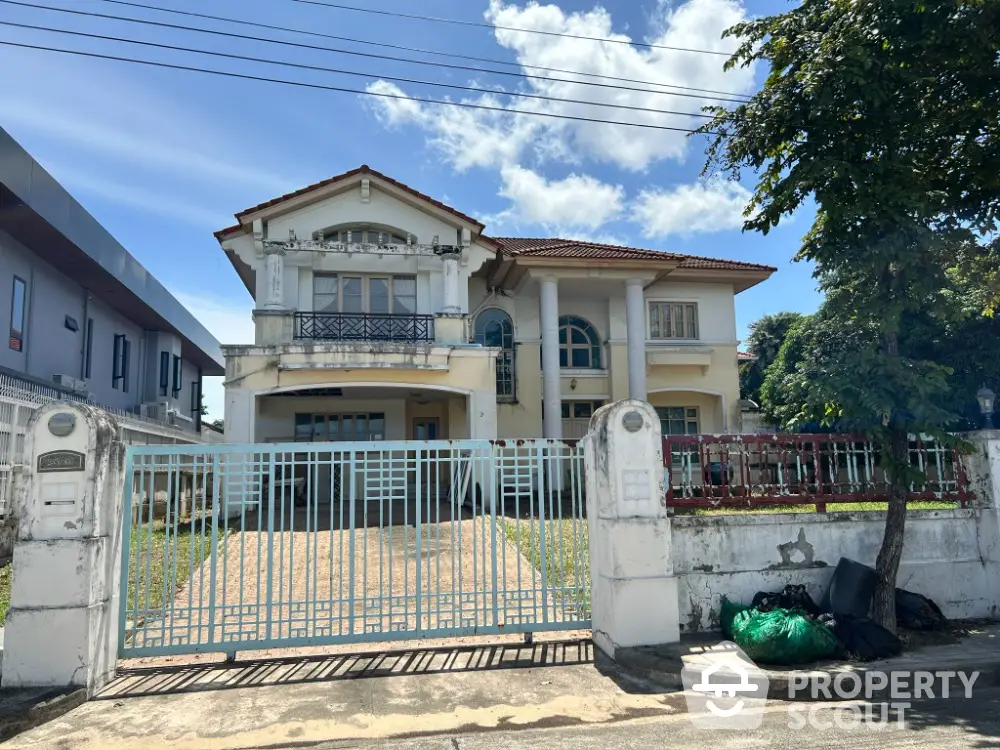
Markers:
point(162, 158)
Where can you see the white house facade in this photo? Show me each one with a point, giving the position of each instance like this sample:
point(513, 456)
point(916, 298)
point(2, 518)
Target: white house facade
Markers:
point(383, 314)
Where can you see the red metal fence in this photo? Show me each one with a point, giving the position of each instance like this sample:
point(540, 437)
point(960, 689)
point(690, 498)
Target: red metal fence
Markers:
point(704, 471)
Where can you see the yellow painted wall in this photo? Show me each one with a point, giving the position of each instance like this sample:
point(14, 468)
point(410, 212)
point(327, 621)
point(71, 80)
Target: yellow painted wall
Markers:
point(709, 407)
point(721, 378)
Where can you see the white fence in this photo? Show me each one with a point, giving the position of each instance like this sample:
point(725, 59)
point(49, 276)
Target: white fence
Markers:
point(19, 398)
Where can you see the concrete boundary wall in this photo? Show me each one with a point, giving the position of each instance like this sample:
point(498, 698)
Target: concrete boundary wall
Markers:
point(944, 557)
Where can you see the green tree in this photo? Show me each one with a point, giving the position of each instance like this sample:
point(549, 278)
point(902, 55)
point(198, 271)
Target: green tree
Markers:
point(765, 338)
point(885, 113)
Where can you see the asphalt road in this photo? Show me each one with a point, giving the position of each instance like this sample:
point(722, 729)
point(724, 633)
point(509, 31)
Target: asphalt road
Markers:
point(955, 723)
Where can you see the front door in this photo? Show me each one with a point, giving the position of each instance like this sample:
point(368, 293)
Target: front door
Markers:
point(426, 428)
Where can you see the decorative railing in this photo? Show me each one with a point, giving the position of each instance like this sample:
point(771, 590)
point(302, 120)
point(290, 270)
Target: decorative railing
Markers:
point(363, 327)
point(757, 470)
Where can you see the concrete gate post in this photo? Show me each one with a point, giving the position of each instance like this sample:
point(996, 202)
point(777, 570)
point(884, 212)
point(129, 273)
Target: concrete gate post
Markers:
point(62, 627)
point(983, 472)
point(633, 590)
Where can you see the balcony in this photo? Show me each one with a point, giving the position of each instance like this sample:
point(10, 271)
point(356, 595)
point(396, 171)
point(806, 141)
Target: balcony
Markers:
point(363, 327)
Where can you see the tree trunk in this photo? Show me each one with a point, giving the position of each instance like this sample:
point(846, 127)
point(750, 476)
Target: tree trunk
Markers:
point(887, 563)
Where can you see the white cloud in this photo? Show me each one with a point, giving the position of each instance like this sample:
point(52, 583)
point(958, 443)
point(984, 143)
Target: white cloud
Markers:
point(491, 139)
point(231, 322)
point(576, 202)
point(690, 209)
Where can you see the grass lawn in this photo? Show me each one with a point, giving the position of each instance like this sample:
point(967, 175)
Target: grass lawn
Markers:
point(567, 553)
point(160, 571)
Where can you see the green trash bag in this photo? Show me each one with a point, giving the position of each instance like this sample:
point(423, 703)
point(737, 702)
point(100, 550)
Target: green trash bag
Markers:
point(782, 636)
point(728, 612)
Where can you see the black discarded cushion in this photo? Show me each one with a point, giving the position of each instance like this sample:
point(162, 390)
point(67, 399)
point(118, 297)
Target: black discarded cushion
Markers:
point(851, 589)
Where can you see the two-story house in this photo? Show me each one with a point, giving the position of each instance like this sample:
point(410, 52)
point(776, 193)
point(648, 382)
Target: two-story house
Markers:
point(383, 314)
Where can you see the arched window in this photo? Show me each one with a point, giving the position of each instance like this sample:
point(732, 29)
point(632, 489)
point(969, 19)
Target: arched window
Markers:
point(579, 345)
point(495, 329)
point(368, 233)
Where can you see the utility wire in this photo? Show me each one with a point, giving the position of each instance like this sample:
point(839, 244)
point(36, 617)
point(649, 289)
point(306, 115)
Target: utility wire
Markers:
point(420, 50)
point(302, 45)
point(344, 89)
point(302, 66)
point(480, 24)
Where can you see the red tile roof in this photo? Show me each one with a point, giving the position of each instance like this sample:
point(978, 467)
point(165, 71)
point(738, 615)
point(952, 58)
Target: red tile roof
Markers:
point(745, 356)
point(558, 248)
point(363, 169)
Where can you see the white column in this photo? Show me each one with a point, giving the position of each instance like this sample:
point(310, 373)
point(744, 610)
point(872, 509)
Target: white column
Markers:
point(274, 269)
point(635, 320)
point(551, 385)
point(452, 304)
point(633, 588)
point(241, 415)
point(62, 627)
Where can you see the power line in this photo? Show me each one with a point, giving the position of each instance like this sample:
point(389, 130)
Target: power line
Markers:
point(302, 66)
point(420, 50)
point(302, 45)
point(344, 89)
point(480, 24)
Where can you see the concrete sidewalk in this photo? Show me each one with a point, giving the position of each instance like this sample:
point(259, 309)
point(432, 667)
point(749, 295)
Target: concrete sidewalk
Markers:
point(304, 700)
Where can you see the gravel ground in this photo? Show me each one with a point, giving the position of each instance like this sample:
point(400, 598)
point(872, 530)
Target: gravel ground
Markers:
point(314, 591)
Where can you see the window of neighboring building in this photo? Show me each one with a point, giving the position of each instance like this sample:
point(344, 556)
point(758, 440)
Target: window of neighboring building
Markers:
point(579, 345)
point(495, 329)
point(321, 428)
point(673, 320)
point(164, 373)
point(344, 293)
point(18, 312)
point(195, 399)
point(678, 420)
point(177, 384)
point(89, 348)
point(122, 354)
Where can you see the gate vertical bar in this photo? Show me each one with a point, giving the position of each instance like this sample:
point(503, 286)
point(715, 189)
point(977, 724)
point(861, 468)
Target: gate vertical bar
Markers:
point(490, 481)
point(128, 491)
point(213, 551)
point(546, 484)
point(420, 552)
point(270, 542)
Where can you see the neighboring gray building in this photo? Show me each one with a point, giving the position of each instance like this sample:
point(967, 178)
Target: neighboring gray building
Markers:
point(78, 312)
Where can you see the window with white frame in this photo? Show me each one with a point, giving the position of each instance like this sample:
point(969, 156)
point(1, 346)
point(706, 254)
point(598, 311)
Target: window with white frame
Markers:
point(357, 293)
point(678, 420)
point(322, 428)
point(673, 320)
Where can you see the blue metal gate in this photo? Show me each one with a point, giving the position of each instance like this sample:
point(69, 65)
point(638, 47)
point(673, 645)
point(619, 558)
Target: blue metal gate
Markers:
point(237, 547)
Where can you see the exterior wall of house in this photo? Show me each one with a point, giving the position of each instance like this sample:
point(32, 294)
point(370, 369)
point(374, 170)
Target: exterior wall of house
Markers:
point(349, 208)
point(50, 347)
point(713, 389)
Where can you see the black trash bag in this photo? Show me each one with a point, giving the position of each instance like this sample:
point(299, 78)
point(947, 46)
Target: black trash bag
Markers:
point(793, 596)
point(917, 612)
point(865, 638)
point(796, 597)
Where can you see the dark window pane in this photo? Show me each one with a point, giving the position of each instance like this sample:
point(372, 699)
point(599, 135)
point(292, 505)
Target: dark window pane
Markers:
point(17, 307)
point(565, 410)
point(562, 335)
point(563, 358)
point(583, 409)
point(303, 427)
point(579, 337)
point(581, 358)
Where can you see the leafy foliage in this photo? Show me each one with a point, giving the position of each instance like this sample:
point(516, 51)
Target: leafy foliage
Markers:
point(764, 341)
point(886, 114)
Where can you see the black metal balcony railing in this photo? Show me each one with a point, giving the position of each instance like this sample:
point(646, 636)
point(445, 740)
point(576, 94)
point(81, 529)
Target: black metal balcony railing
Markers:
point(364, 327)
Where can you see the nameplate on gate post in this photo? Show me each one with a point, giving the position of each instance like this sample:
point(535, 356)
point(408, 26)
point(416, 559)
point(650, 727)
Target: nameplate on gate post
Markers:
point(61, 461)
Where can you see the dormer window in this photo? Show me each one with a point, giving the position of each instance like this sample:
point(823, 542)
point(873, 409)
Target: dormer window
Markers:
point(369, 234)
